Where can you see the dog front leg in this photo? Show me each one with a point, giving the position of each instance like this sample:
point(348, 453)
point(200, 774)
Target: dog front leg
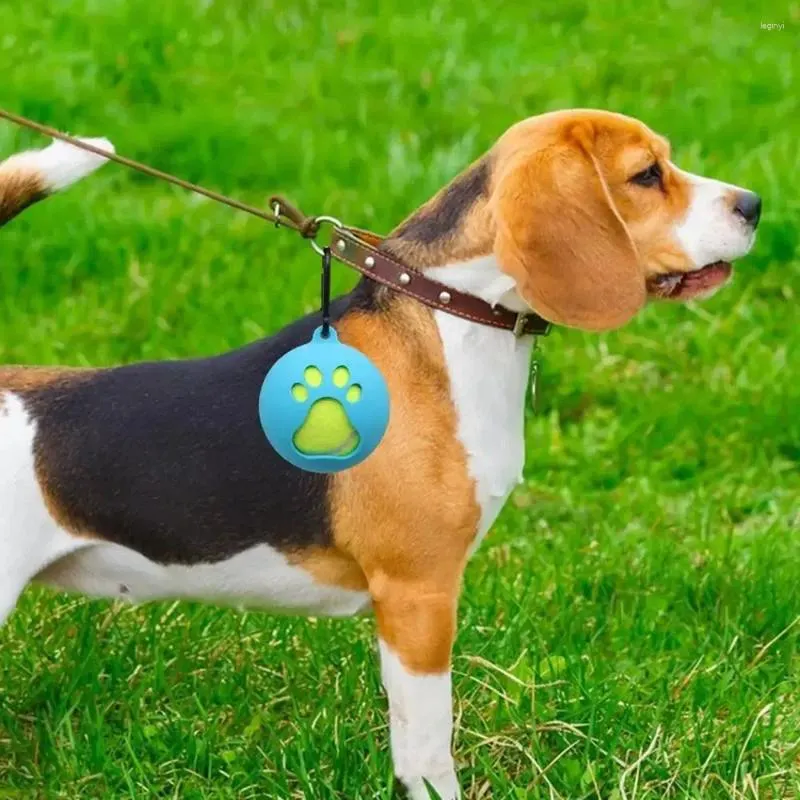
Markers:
point(416, 626)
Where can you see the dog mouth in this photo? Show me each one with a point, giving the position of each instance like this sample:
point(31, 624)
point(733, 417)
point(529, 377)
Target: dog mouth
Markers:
point(686, 285)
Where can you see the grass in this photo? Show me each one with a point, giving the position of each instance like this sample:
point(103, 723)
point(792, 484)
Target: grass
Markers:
point(631, 626)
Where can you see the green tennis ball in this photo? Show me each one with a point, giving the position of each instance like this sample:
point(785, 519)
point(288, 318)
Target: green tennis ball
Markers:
point(326, 430)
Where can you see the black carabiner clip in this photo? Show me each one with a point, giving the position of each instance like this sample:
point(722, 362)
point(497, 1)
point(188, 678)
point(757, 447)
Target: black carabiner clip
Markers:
point(326, 292)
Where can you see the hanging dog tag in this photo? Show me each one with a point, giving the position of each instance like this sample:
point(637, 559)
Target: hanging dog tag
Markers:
point(324, 406)
point(534, 375)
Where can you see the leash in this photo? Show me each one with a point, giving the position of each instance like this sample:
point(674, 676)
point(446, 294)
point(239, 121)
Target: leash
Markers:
point(356, 248)
point(290, 218)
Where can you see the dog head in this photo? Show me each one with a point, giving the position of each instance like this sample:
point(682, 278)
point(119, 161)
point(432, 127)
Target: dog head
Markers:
point(592, 217)
point(588, 215)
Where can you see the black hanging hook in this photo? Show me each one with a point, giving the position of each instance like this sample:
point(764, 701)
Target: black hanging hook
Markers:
point(326, 292)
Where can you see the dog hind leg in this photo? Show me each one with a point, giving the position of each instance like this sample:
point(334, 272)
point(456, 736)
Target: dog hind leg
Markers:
point(30, 539)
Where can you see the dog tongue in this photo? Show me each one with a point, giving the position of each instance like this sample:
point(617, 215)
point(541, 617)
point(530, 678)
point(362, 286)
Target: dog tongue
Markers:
point(680, 284)
point(707, 277)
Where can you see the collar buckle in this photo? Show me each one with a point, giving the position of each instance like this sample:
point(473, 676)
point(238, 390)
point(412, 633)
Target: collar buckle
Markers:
point(519, 324)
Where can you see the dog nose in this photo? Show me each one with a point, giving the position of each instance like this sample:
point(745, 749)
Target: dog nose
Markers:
point(748, 207)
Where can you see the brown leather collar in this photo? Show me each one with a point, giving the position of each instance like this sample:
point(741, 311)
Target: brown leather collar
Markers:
point(359, 249)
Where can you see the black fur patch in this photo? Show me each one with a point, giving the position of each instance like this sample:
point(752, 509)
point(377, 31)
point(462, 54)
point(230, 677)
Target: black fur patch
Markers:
point(169, 459)
point(443, 217)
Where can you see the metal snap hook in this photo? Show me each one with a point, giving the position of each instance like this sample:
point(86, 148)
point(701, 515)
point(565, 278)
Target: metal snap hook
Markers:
point(319, 220)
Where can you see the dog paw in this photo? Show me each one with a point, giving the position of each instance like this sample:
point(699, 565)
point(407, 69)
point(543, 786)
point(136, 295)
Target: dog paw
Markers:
point(326, 429)
point(443, 787)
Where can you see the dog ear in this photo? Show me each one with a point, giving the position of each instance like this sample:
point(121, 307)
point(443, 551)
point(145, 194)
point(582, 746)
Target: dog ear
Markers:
point(560, 236)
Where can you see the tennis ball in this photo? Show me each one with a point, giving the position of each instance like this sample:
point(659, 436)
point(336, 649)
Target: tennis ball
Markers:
point(326, 430)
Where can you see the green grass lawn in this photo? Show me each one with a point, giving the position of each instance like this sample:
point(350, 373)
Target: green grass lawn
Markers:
point(631, 628)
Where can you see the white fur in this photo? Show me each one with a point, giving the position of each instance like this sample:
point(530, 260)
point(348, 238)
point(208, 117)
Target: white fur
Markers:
point(30, 542)
point(711, 231)
point(421, 727)
point(260, 577)
point(61, 164)
point(483, 278)
point(489, 370)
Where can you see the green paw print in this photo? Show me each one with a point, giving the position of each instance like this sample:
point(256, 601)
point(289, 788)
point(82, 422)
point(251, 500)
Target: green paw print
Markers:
point(327, 429)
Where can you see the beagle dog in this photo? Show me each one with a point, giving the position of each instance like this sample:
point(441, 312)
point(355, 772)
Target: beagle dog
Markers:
point(153, 480)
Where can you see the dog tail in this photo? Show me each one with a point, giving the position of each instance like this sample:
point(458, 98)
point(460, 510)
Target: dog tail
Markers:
point(28, 177)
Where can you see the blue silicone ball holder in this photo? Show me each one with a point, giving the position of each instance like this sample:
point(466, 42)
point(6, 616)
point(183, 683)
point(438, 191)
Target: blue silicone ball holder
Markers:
point(324, 371)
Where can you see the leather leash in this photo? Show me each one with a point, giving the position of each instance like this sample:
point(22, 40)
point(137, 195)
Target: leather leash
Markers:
point(356, 248)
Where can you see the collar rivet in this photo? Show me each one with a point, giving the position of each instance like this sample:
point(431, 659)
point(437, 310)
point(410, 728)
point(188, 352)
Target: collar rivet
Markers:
point(444, 297)
point(369, 262)
point(405, 278)
point(341, 245)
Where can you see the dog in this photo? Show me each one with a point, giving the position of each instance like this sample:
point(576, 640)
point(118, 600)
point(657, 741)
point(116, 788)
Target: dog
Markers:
point(154, 480)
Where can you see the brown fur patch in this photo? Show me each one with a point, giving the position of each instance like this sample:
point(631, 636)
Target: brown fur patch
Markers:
point(29, 379)
point(417, 621)
point(331, 567)
point(19, 188)
point(58, 512)
point(408, 514)
point(26, 380)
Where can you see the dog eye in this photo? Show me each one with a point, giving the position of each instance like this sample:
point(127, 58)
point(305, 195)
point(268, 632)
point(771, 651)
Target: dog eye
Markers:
point(648, 177)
